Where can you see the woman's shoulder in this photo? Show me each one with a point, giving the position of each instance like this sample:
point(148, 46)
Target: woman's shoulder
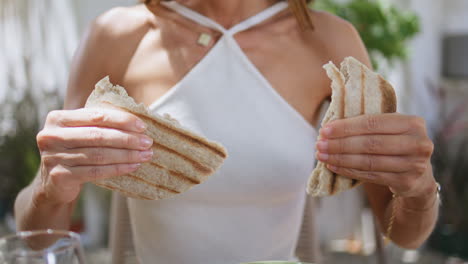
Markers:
point(115, 32)
point(339, 36)
point(121, 22)
point(326, 19)
point(333, 27)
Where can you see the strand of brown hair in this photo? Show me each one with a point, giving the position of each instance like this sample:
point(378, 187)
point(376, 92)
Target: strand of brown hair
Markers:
point(300, 10)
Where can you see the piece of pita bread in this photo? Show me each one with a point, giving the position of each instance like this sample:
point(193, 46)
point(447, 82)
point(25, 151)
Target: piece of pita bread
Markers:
point(356, 90)
point(181, 158)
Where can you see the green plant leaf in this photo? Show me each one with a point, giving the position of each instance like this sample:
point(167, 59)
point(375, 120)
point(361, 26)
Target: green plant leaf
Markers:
point(384, 29)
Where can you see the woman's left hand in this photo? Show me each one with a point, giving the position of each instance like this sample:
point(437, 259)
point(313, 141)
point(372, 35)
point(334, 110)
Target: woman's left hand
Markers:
point(386, 149)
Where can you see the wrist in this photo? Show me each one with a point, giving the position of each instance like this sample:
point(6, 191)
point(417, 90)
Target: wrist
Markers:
point(35, 209)
point(43, 198)
point(423, 202)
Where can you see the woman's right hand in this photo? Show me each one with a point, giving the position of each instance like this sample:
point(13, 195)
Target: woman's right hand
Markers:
point(78, 146)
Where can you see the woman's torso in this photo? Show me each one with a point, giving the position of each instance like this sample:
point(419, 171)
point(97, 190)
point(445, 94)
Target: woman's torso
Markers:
point(253, 205)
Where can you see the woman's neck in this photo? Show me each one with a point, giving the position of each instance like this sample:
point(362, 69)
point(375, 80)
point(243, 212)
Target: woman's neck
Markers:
point(228, 12)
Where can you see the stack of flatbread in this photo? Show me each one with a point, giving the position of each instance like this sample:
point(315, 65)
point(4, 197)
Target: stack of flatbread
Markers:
point(356, 90)
point(181, 159)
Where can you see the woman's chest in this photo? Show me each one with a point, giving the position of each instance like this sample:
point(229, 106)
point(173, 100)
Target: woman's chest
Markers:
point(291, 67)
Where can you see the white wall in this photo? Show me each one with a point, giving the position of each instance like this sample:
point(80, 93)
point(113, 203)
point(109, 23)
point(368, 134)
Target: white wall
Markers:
point(425, 60)
point(456, 17)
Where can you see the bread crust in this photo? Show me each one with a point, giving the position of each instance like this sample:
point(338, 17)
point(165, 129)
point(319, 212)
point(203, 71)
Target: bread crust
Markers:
point(182, 159)
point(389, 104)
point(356, 90)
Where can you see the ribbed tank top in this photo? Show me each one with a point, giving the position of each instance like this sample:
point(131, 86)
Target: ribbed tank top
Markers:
point(252, 208)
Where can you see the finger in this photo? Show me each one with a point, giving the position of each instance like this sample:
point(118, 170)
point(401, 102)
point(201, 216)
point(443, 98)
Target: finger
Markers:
point(103, 156)
point(372, 124)
point(370, 144)
point(99, 137)
point(101, 117)
point(380, 178)
point(93, 173)
point(66, 176)
point(382, 163)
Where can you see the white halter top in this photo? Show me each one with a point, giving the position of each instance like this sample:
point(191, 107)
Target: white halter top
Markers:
point(252, 208)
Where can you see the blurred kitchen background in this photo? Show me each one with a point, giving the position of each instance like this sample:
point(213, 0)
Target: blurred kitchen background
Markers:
point(420, 45)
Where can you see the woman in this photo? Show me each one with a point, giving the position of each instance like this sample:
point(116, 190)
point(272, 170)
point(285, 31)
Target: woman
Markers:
point(247, 74)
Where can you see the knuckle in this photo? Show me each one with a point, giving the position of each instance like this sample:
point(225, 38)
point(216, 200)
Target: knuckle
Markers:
point(119, 170)
point(131, 140)
point(95, 173)
point(425, 147)
point(370, 162)
point(418, 123)
point(429, 148)
point(97, 116)
point(41, 139)
point(130, 119)
point(96, 135)
point(346, 128)
point(372, 123)
point(45, 138)
point(49, 161)
point(406, 143)
point(406, 164)
point(58, 175)
point(372, 144)
point(420, 167)
point(54, 116)
point(341, 146)
point(98, 156)
point(370, 175)
point(337, 160)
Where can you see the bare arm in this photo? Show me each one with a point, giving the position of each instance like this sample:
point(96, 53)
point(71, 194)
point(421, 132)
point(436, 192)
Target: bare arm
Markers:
point(416, 206)
point(74, 148)
point(415, 217)
point(392, 155)
point(32, 212)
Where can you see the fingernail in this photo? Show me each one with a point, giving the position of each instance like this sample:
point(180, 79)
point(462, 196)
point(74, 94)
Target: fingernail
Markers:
point(326, 131)
point(332, 168)
point(322, 145)
point(146, 155)
point(146, 142)
point(322, 156)
point(140, 125)
point(134, 167)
